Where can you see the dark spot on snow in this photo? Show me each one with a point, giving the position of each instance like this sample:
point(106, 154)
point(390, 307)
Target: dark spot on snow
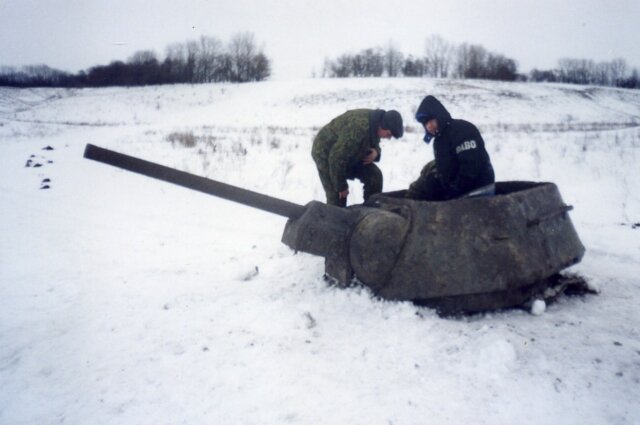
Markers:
point(556, 384)
point(37, 165)
point(597, 360)
point(47, 148)
point(619, 344)
point(49, 162)
point(46, 186)
point(619, 374)
point(205, 348)
point(166, 306)
point(253, 273)
point(311, 321)
point(632, 225)
point(46, 180)
point(28, 164)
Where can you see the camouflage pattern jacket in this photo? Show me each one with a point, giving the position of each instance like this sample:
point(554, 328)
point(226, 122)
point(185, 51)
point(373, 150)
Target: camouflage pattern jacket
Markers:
point(345, 141)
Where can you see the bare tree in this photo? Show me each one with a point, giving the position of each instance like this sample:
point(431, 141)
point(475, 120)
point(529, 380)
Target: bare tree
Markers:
point(499, 67)
point(142, 68)
point(546, 76)
point(242, 49)
point(143, 56)
point(471, 61)
point(600, 74)
point(393, 60)
point(260, 67)
point(413, 67)
point(342, 67)
point(207, 58)
point(439, 55)
point(175, 62)
point(176, 52)
point(576, 71)
point(631, 82)
point(356, 65)
point(191, 49)
point(373, 61)
point(194, 61)
point(618, 70)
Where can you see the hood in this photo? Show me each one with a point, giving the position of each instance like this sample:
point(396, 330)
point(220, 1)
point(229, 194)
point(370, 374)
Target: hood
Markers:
point(429, 108)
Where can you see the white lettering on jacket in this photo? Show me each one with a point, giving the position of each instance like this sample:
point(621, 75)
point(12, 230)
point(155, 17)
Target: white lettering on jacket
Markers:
point(469, 144)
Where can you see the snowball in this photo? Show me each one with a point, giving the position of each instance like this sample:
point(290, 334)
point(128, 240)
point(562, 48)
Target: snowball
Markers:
point(538, 307)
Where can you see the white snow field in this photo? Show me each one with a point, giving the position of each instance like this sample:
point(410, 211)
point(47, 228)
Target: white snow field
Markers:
point(126, 300)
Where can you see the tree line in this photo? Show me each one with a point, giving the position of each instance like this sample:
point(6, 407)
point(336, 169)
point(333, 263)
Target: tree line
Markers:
point(442, 59)
point(615, 73)
point(204, 60)
point(208, 59)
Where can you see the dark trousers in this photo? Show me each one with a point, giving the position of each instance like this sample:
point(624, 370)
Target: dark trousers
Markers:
point(429, 188)
point(370, 176)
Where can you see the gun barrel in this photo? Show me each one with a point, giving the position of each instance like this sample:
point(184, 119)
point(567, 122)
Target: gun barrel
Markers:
point(191, 181)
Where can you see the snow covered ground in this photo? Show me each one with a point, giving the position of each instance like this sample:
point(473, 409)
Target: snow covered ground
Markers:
point(125, 300)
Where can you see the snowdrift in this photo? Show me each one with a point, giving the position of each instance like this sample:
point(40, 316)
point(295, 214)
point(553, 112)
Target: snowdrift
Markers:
point(125, 300)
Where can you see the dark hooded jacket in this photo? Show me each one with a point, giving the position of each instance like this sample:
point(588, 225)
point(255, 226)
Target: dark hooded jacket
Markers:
point(462, 161)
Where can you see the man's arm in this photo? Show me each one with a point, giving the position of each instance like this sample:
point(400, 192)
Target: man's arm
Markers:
point(343, 152)
point(372, 155)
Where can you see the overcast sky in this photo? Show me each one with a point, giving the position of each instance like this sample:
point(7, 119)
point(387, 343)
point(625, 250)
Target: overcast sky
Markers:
point(298, 34)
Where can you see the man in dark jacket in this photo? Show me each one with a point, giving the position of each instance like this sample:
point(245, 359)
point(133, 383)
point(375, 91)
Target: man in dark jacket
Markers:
point(347, 148)
point(461, 167)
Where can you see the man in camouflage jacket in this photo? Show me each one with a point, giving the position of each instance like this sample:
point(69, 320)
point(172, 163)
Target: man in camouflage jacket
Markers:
point(347, 148)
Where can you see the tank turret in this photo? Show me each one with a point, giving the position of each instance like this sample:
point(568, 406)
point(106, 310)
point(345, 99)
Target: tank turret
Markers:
point(469, 254)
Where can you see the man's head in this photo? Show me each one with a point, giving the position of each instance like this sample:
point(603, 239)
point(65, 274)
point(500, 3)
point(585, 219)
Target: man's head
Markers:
point(391, 125)
point(433, 116)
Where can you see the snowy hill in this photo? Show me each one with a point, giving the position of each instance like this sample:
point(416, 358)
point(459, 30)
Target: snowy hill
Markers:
point(126, 300)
